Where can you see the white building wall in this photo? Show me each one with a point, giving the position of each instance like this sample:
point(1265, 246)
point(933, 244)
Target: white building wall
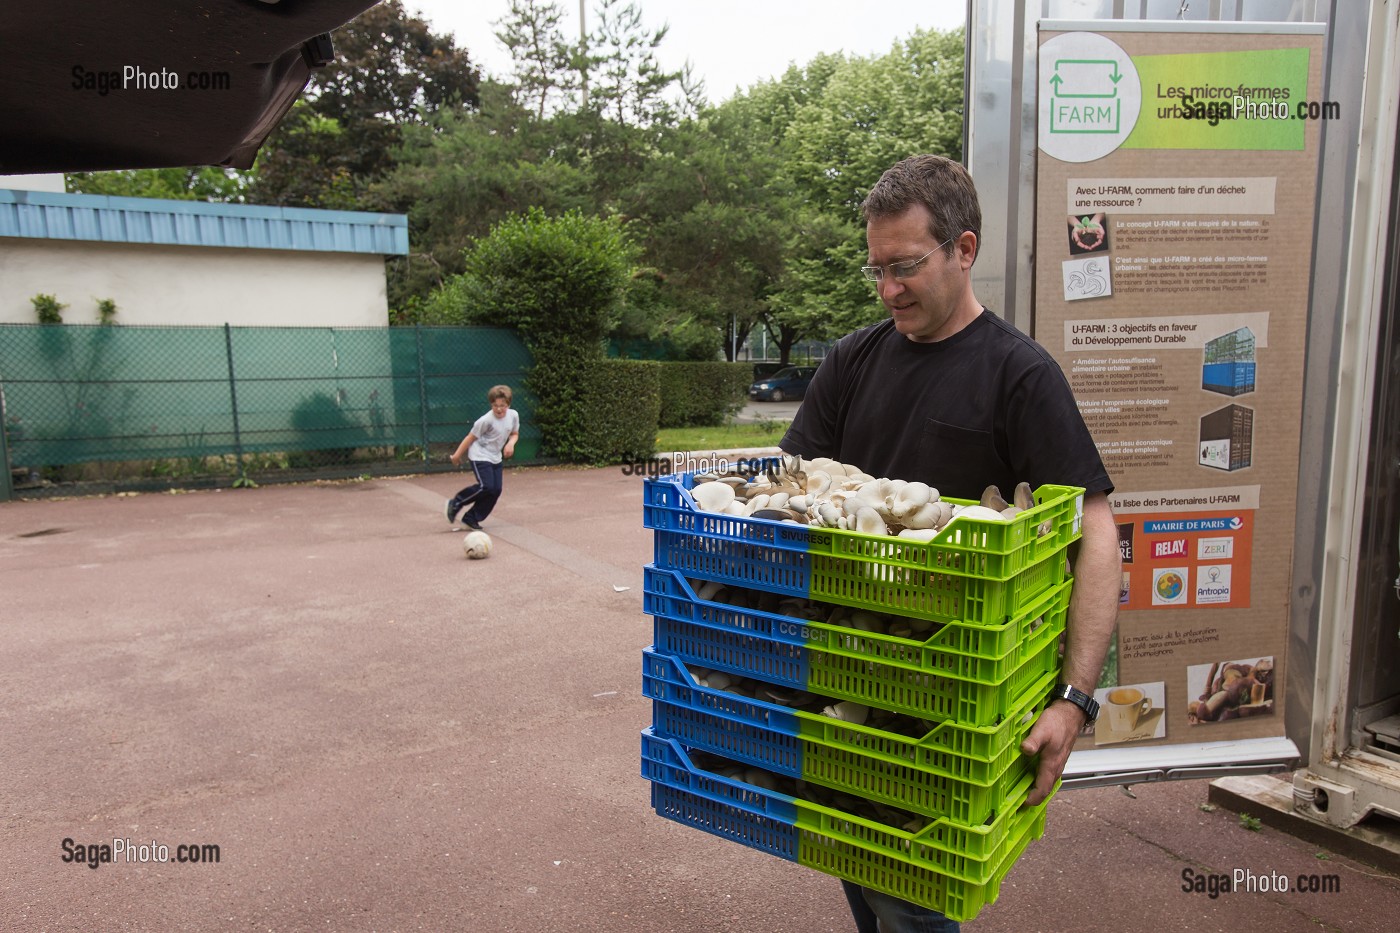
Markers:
point(154, 284)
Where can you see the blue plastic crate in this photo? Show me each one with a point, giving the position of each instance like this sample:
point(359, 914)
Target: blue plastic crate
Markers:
point(846, 844)
point(861, 760)
point(780, 650)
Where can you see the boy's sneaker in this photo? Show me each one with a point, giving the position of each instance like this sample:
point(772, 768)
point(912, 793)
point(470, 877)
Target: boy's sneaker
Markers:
point(447, 510)
point(471, 524)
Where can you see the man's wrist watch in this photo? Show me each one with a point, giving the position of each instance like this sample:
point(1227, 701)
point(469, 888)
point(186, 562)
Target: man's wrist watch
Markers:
point(1079, 698)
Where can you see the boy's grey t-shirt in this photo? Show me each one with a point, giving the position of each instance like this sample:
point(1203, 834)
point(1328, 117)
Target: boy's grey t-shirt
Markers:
point(491, 435)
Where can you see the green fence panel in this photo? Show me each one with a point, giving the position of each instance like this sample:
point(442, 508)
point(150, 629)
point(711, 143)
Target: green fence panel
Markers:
point(76, 393)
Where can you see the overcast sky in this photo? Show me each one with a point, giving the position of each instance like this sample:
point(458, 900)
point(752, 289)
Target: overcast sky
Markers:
point(729, 43)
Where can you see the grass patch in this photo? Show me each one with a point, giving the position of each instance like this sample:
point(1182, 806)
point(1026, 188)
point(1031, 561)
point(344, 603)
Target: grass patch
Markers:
point(764, 433)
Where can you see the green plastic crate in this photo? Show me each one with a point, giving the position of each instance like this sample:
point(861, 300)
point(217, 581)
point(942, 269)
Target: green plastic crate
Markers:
point(977, 754)
point(986, 653)
point(930, 594)
point(930, 694)
point(993, 550)
point(971, 852)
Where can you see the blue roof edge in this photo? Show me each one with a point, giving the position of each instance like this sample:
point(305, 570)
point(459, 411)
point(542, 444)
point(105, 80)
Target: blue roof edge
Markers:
point(390, 230)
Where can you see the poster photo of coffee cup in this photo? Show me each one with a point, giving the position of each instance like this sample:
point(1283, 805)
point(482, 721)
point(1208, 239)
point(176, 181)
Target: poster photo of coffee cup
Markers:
point(1227, 690)
point(1131, 713)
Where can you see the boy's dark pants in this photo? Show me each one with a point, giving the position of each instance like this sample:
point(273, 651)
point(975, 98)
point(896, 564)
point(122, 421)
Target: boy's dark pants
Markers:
point(482, 494)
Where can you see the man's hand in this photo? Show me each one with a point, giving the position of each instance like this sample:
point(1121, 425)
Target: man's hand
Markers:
point(455, 458)
point(1052, 737)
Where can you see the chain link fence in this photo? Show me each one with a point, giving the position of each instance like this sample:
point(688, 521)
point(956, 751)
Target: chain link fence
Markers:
point(151, 402)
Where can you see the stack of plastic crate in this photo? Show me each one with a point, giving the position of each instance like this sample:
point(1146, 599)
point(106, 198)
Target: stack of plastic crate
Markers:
point(782, 780)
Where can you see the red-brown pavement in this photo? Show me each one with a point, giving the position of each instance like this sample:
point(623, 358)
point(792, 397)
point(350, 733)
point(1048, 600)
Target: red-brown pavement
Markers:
point(382, 735)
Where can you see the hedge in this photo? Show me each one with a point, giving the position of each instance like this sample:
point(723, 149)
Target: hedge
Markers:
point(702, 394)
point(614, 415)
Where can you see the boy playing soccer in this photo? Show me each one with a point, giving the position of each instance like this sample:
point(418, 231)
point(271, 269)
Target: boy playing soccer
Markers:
point(491, 439)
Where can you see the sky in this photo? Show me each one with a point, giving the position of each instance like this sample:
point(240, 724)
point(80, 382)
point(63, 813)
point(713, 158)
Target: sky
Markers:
point(731, 44)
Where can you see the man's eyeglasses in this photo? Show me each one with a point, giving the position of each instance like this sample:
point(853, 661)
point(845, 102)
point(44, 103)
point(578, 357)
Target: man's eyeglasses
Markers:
point(900, 270)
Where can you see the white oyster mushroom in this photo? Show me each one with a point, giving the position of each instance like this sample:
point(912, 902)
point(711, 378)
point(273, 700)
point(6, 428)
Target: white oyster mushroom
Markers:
point(925, 516)
point(910, 498)
point(818, 482)
point(865, 621)
point(847, 711)
point(717, 680)
point(710, 590)
point(713, 497)
point(779, 500)
point(759, 501)
point(868, 521)
point(827, 514)
point(919, 534)
point(799, 503)
point(876, 489)
point(735, 508)
point(858, 476)
point(759, 778)
point(979, 512)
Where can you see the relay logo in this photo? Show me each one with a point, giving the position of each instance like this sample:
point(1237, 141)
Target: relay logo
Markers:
point(1232, 523)
point(1174, 548)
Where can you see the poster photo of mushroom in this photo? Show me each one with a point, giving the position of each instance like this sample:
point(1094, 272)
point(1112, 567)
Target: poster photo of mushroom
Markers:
point(1131, 713)
point(1229, 690)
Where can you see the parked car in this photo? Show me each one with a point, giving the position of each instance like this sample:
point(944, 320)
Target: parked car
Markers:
point(788, 383)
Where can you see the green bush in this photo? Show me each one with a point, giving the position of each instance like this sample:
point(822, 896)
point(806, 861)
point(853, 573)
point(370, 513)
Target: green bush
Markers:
point(558, 282)
point(48, 309)
point(702, 394)
point(615, 416)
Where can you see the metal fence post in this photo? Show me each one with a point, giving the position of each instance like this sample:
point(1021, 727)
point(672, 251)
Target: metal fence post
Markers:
point(422, 388)
point(233, 397)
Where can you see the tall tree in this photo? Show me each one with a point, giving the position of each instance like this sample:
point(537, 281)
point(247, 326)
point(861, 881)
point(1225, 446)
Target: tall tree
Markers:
point(870, 113)
point(629, 84)
point(544, 65)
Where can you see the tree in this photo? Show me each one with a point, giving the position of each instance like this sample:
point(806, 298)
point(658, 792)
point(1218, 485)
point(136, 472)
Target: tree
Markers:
point(630, 86)
point(198, 183)
point(462, 174)
point(390, 71)
point(544, 64)
point(869, 114)
point(557, 281)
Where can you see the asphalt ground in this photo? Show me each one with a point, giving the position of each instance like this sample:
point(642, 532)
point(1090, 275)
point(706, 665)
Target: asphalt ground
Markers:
point(775, 411)
point(381, 735)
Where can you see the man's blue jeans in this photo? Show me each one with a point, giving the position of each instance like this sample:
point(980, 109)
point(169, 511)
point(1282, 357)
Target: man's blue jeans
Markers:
point(880, 913)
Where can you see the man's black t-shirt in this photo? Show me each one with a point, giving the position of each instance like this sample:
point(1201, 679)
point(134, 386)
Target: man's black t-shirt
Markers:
point(987, 405)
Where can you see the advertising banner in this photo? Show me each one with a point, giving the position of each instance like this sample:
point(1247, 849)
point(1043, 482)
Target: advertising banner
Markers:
point(1174, 220)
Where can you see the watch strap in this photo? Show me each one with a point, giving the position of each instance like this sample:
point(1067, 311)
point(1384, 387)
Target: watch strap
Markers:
point(1079, 698)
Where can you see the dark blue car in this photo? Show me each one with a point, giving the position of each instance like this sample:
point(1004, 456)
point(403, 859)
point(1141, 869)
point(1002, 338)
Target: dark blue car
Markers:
point(787, 383)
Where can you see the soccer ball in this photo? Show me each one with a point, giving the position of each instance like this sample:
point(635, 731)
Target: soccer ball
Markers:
point(477, 544)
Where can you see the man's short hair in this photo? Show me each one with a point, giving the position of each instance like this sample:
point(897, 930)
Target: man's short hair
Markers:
point(496, 392)
point(939, 184)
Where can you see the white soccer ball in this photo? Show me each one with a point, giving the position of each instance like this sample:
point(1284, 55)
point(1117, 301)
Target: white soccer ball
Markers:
point(477, 544)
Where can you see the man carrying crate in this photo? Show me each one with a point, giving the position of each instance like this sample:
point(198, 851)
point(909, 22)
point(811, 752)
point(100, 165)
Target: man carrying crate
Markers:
point(946, 393)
